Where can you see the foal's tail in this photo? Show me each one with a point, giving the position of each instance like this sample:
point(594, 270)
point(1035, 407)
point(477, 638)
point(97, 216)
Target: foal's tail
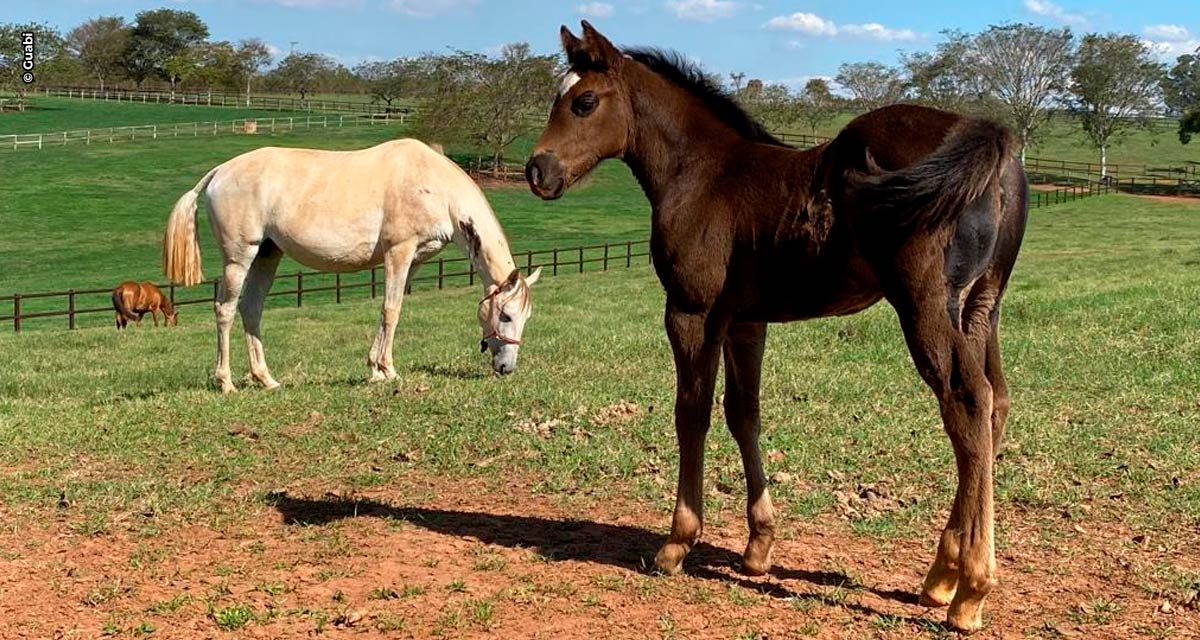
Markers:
point(181, 242)
point(970, 159)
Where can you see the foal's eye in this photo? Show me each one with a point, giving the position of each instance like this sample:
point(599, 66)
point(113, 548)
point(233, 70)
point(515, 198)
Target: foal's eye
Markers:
point(504, 317)
point(584, 103)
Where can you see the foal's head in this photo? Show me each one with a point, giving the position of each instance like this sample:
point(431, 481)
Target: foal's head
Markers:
point(590, 120)
point(503, 313)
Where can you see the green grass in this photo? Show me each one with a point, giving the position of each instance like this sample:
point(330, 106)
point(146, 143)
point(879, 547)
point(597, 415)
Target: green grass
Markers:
point(47, 115)
point(97, 213)
point(1101, 336)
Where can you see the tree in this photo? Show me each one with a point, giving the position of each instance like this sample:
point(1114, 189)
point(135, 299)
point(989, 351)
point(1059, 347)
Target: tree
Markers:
point(48, 49)
point(302, 72)
point(775, 106)
point(99, 44)
point(253, 56)
point(1181, 85)
point(487, 101)
point(942, 78)
point(387, 81)
point(819, 106)
point(159, 36)
point(1114, 88)
point(1189, 124)
point(737, 78)
point(1025, 68)
point(872, 84)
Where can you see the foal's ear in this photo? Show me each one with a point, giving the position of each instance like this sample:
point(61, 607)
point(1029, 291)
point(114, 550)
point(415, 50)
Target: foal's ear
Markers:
point(512, 280)
point(603, 52)
point(570, 44)
point(532, 278)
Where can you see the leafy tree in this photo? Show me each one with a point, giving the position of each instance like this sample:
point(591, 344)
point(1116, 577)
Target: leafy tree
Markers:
point(819, 105)
point(387, 81)
point(48, 50)
point(486, 101)
point(99, 45)
point(872, 84)
point(159, 36)
point(943, 79)
point(1114, 88)
point(1189, 124)
point(737, 78)
point(1024, 68)
point(775, 106)
point(252, 57)
point(302, 73)
point(1181, 85)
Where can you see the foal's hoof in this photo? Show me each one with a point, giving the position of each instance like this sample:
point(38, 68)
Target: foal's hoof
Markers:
point(226, 387)
point(271, 385)
point(756, 561)
point(669, 560)
point(935, 600)
point(965, 614)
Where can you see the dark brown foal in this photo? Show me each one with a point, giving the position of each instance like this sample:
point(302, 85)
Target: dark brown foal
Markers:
point(921, 207)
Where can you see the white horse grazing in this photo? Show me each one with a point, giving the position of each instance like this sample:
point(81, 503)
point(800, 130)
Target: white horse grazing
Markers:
point(397, 203)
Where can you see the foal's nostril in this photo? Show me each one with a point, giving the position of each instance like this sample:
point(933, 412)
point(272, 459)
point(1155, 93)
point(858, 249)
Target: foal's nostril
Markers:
point(535, 173)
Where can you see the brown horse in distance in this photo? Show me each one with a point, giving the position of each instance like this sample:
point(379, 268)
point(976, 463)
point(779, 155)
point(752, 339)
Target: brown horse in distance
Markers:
point(132, 300)
point(921, 207)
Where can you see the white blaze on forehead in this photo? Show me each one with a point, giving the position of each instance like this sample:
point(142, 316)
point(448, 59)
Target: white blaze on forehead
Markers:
point(568, 81)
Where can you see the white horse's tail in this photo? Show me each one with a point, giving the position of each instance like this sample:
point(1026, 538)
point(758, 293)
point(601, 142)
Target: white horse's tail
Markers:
point(181, 242)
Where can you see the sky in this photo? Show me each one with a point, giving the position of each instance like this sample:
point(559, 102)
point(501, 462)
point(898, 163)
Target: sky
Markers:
point(776, 41)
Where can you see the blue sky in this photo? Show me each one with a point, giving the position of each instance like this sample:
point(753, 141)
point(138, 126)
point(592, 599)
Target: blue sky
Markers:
point(787, 41)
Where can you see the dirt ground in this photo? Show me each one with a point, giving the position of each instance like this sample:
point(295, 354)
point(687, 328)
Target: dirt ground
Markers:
point(475, 559)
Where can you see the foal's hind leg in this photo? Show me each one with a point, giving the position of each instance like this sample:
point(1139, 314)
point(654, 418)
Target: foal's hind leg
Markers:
point(995, 375)
point(951, 360)
point(254, 295)
point(396, 264)
point(743, 372)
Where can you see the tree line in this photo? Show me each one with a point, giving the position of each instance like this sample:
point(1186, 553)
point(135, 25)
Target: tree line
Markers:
point(1022, 74)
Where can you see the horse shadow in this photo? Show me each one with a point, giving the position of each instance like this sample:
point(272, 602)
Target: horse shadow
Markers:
point(444, 371)
point(586, 541)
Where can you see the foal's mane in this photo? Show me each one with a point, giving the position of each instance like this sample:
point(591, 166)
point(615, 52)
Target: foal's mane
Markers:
point(688, 75)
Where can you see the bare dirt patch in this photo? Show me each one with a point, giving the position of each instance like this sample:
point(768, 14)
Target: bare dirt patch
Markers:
point(1192, 200)
point(484, 558)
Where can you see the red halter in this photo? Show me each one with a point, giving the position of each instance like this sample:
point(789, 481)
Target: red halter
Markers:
point(493, 318)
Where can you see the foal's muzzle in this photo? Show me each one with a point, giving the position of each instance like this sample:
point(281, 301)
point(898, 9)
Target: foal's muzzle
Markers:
point(545, 176)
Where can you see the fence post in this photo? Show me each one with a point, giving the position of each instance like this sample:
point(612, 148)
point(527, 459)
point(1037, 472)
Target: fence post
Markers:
point(528, 262)
point(337, 288)
point(556, 262)
point(17, 313)
point(606, 256)
point(628, 253)
point(373, 271)
point(70, 308)
point(441, 271)
point(171, 292)
point(299, 288)
point(470, 273)
point(580, 259)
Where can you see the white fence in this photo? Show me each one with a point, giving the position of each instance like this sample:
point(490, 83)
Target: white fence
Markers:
point(245, 126)
point(209, 99)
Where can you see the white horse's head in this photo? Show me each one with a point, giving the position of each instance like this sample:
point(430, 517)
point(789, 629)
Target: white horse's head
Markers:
point(503, 312)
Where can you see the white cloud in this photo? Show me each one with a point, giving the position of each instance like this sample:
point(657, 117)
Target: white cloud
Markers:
point(876, 31)
point(703, 10)
point(809, 23)
point(1170, 50)
point(814, 25)
point(1048, 9)
point(596, 9)
point(430, 8)
point(1167, 32)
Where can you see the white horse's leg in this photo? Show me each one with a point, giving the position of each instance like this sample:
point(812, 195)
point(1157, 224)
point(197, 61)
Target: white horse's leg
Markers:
point(228, 293)
point(396, 264)
point(254, 295)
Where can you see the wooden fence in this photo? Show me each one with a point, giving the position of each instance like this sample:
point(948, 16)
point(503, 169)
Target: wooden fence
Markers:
point(276, 103)
point(245, 126)
point(319, 286)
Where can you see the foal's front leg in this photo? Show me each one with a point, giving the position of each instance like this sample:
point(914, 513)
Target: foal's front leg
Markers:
point(396, 263)
point(697, 347)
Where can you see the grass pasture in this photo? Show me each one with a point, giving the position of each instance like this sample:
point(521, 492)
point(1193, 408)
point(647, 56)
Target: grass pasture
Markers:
point(455, 504)
point(50, 114)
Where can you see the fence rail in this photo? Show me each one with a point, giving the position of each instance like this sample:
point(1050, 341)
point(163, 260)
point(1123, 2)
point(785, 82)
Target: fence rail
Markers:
point(309, 285)
point(210, 99)
point(246, 126)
